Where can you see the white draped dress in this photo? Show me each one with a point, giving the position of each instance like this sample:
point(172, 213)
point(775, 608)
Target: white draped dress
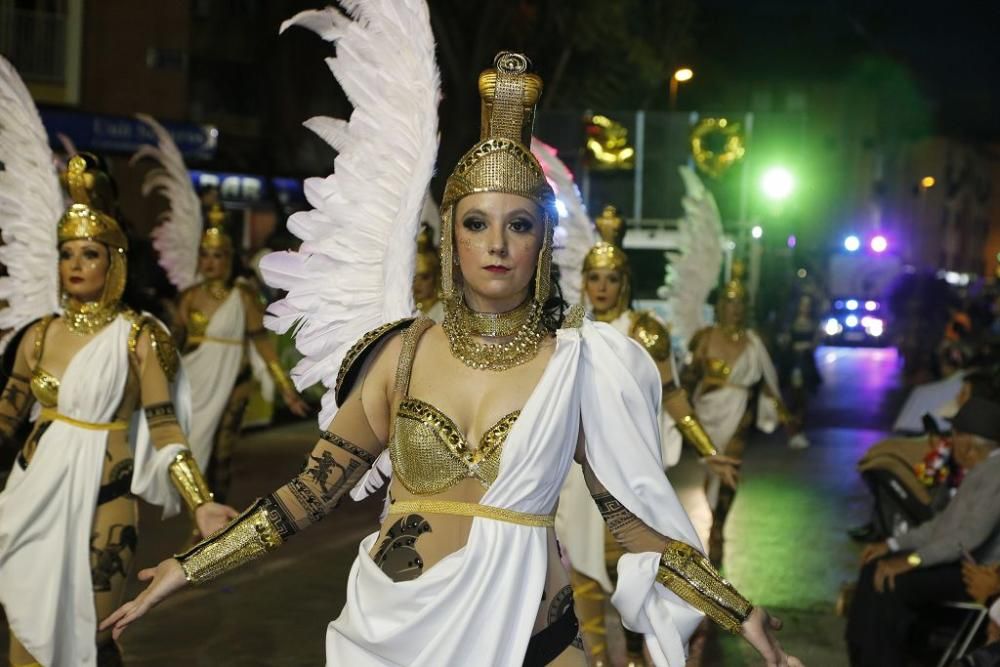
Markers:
point(47, 510)
point(477, 605)
point(579, 524)
point(722, 409)
point(212, 369)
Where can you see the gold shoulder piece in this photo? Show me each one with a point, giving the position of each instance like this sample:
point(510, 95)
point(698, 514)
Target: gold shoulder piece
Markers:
point(574, 317)
point(160, 340)
point(355, 357)
point(648, 330)
point(40, 331)
point(249, 292)
point(686, 572)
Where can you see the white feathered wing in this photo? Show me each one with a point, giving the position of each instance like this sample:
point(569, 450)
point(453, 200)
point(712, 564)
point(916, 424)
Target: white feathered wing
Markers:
point(696, 272)
point(354, 269)
point(575, 235)
point(31, 202)
point(177, 236)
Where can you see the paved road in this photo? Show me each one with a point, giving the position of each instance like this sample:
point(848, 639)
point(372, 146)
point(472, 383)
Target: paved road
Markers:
point(786, 545)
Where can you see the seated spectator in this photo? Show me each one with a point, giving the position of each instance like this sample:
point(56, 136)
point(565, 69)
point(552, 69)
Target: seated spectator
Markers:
point(922, 568)
point(898, 470)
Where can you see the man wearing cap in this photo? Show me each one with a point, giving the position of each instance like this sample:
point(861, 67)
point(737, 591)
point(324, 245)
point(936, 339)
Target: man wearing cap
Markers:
point(922, 568)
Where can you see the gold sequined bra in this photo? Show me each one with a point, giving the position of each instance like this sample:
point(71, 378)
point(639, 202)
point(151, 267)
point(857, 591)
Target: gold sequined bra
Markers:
point(429, 453)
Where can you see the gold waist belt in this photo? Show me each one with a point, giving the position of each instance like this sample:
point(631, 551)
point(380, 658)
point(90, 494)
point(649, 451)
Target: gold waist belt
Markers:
point(472, 509)
point(50, 414)
point(214, 339)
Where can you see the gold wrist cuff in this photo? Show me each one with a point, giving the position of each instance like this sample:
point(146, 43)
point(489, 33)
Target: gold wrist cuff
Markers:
point(281, 379)
point(190, 483)
point(694, 432)
point(246, 539)
point(686, 572)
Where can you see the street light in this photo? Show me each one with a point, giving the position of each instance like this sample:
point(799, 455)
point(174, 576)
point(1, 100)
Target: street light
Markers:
point(682, 75)
point(777, 183)
point(757, 231)
point(852, 243)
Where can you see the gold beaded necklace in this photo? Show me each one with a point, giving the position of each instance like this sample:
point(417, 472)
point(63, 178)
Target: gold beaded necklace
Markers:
point(217, 289)
point(86, 318)
point(522, 325)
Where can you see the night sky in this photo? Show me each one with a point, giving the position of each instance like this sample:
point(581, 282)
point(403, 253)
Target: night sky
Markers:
point(950, 51)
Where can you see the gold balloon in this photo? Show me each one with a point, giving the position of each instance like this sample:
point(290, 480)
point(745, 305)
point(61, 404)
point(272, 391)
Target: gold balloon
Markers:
point(717, 145)
point(607, 143)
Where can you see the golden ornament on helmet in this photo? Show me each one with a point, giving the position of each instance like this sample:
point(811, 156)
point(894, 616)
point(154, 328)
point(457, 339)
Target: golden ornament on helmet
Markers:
point(716, 145)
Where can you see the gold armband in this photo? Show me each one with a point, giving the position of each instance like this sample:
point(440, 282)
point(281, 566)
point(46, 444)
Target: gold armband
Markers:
point(784, 416)
point(694, 432)
point(190, 483)
point(686, 572)
point(246, 539)
point(281, 378)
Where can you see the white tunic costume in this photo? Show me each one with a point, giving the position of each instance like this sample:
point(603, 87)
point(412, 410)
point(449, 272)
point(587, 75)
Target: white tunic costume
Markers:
point(579, 524)
point(212, 369)
point(46, 510)
point(722, 408)
point(482, 599)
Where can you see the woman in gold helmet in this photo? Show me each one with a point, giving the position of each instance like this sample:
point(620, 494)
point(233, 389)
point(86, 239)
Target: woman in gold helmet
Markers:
point(478, 419)
point(728, 360)
point(427, 278)
point(219, 320)
point(98, 372)
point(607, 291)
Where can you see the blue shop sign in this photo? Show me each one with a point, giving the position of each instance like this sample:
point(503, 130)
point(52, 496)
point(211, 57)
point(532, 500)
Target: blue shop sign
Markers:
point(248, 188)
point(104, 133)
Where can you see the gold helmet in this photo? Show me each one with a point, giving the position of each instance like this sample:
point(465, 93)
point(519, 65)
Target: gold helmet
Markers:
point(91, 217)
point(215, 235)
point(608, 254)
point(734, 290)
point(502, 162)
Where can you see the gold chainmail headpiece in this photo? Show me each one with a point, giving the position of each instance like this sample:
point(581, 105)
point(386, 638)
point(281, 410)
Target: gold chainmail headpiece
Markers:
point(215, 235)
point(734, 290)
point(608, 254)
point(502, 162)
point(90, 218)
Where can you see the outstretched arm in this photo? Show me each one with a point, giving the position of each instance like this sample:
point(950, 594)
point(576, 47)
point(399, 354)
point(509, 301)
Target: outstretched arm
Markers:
point(343, 453)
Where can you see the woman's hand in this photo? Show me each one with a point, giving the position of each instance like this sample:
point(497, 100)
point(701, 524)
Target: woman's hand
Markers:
point(759, 630)
point(213, 517)
point(166, 577)
point(726, 467)
point(294, 402)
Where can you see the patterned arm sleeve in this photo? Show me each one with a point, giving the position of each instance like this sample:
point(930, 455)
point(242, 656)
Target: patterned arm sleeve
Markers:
point(16, 399)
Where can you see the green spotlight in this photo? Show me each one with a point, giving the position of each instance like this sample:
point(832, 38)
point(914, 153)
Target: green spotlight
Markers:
point(777, 183)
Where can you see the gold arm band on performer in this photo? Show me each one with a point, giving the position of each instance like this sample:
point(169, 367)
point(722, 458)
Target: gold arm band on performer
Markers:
point(51, 414)
point(246, 539)
point(455, 507)
point(190, 483)
point(686, 572)
point(281, 379)
point(694, 432)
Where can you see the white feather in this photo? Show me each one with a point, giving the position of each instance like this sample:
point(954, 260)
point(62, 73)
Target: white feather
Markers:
point(696, 272)
point(177, 236)
point(354, 269)
point(576, 234)
point(31, 203)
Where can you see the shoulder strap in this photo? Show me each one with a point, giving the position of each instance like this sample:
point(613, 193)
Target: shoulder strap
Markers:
point(43, 327)
point(404, 368)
